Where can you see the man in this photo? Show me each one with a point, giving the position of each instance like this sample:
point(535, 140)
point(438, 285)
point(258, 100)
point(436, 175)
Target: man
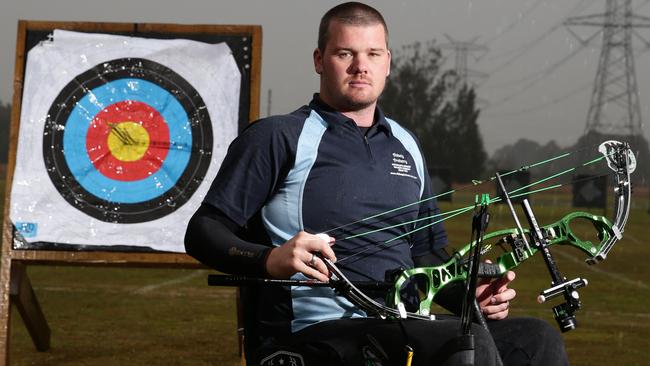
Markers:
point(334, 166)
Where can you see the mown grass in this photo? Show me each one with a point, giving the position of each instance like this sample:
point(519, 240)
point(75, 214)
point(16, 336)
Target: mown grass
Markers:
point(127, 316)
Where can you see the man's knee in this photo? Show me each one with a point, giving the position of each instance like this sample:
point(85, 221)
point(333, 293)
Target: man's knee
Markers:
point(529, 341)
point(553, 343)
point(543, 333)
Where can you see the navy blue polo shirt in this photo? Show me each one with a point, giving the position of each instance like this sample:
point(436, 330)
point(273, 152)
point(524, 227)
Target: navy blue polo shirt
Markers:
point(315, 170)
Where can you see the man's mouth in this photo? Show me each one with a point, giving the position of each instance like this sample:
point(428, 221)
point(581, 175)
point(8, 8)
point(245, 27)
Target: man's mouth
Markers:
point(359, 83)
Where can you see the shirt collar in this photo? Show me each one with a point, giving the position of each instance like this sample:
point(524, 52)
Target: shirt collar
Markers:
point(334, 117)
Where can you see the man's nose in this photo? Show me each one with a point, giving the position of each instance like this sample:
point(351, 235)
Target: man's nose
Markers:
point(359, 65)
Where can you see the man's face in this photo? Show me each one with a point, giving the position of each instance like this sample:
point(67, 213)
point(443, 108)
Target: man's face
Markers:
point(353, 66)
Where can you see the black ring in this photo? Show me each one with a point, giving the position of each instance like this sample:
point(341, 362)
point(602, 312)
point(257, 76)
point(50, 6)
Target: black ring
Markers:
point(114, 212)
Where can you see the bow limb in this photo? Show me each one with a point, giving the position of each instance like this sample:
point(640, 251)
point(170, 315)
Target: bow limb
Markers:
point(346, 288)
point(621, 160)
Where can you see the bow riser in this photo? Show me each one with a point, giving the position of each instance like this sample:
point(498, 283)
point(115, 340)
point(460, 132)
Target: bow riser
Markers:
point(455, 269)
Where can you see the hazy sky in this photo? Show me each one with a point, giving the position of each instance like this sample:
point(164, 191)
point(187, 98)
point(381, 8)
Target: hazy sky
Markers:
point(539, 77)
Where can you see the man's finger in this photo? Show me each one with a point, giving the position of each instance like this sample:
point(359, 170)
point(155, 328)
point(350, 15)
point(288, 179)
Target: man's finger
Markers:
point(320, 266)
point(504, 296)
point(312, 272)
point(323, 245)
point(498, 316)
point(501, 284)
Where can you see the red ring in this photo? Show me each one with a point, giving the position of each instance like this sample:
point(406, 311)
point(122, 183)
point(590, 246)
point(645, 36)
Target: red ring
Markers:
point(100, 128)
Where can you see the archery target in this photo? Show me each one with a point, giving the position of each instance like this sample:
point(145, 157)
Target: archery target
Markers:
point(120, 138)
point(127, 141)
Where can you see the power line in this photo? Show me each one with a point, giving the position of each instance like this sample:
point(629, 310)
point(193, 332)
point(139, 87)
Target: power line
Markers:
point(538, 76)
point(521, 51)
point(548, 71)
point(513, 24)
point(559, 99)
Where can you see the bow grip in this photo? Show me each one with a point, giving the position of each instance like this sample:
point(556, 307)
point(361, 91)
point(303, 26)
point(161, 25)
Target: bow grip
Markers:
point(489, 270)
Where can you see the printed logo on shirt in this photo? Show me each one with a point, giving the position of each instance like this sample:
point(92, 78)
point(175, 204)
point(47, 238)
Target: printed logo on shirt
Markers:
point(401, 166)
point(283, 358)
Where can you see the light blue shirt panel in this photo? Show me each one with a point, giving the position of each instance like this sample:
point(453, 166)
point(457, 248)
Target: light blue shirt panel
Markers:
point(316, 304)
point(282, 217)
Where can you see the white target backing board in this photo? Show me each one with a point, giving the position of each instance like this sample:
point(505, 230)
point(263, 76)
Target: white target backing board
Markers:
point(119, 138)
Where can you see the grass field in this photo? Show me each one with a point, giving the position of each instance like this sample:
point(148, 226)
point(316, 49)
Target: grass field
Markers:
point(126, 316)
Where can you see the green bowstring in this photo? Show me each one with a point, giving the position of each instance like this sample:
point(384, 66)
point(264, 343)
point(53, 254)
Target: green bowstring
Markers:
point(449, 215)
point(453, 213)
point(475, 183)
point(462, 210)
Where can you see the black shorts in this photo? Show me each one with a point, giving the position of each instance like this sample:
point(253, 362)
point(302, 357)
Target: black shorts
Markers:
point(369, 341)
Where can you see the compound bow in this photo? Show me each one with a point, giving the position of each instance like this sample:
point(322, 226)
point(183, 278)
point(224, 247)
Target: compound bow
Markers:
point(619, 158)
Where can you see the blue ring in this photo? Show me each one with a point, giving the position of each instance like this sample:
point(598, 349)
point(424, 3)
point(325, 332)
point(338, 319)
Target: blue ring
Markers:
point(93, 102)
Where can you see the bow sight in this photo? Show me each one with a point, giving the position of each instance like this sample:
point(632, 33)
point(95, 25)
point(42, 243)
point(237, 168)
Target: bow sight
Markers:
point(563, 313)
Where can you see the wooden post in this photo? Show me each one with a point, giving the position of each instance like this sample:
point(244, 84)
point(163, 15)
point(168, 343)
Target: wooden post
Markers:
point(22, 295)
point(17, 289)
point(5, 302)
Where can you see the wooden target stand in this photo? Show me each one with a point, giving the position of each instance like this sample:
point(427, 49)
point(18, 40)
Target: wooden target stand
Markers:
point(15, 286)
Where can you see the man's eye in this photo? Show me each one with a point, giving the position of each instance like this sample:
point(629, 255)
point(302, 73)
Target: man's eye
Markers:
point(344, 54)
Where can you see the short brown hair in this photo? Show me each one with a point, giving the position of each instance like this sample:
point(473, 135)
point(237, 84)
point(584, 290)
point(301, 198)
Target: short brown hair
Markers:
point(352, 13)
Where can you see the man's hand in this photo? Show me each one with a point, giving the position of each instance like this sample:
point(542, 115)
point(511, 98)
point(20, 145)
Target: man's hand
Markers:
point(494, 296)
point(298, 254)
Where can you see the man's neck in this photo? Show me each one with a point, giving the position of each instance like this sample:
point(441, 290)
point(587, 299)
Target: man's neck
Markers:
point(364, 117)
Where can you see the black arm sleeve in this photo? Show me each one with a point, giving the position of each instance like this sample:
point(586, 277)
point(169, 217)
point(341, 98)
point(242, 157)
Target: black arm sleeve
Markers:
point(211, 238)
point(449, 297)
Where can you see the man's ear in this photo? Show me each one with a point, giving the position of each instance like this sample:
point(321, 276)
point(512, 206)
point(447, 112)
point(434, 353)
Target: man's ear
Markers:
point(318, 61)
point(389, 61)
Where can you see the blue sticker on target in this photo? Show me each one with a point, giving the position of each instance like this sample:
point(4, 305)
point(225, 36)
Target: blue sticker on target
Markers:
point(27, 229)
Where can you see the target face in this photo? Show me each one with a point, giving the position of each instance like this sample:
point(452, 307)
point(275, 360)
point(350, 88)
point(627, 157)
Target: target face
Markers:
point(127, 141)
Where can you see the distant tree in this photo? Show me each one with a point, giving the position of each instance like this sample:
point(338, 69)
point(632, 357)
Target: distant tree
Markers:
point(436, 108)
point(412, 93)
point(5, 119)
point(524, 152)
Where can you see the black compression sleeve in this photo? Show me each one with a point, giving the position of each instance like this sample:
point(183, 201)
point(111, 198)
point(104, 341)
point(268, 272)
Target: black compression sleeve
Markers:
point(449, 297)
point(211, 239)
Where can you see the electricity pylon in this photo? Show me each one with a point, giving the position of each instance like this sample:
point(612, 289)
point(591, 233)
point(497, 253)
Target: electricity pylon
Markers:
point(462, 73)
point(614, 108)
point(462, 51)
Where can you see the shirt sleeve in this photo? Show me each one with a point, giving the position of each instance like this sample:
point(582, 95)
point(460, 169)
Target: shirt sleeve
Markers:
point(256, 161)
